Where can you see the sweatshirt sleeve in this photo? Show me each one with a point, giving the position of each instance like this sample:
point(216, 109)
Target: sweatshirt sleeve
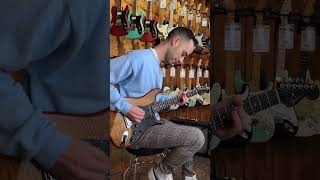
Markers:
point(120, 70)
point(30, 31)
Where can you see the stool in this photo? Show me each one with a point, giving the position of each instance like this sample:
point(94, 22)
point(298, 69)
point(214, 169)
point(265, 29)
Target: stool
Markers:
point(138, 153)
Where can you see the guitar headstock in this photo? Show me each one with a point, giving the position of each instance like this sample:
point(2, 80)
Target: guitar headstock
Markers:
point(309, 7)
point(290, 93)
point(202, 89)
point(286, 7)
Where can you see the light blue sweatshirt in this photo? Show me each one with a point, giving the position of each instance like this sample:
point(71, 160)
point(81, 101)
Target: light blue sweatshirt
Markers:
point(62, 46)
point(136, 73)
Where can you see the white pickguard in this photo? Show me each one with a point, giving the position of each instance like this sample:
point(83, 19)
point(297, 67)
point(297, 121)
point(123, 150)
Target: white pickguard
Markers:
point(163, 29)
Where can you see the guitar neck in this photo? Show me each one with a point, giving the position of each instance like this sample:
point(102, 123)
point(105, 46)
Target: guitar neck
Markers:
point(254, 104)
point(148, 10)
point(161, 106)
point(305, 57)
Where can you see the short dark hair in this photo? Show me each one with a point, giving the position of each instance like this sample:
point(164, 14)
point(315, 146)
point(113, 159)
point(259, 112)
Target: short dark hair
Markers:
point(183, 32)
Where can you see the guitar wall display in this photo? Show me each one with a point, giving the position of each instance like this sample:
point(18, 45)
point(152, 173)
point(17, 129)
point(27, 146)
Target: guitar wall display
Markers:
point(150, 31)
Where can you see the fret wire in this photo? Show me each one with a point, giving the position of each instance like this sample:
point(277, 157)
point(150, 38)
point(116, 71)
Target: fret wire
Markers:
point(267, 99)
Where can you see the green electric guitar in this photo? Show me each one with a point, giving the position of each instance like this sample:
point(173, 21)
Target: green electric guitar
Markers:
point(136, 23)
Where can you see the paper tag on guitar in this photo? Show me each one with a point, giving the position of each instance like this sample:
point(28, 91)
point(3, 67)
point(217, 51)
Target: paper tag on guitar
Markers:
point(286, 36)
point(261, 38)
point(198, 19)
point(206, 73)
point(172, 72)
point(232, 37)
point(204, 22)
point(183, 11)
point(182, 73)
point(308, 39)
point(173, 5)
point(199, 72)
point(190, 17)
point(191, 73)
point(163, 4)
point(163, 72)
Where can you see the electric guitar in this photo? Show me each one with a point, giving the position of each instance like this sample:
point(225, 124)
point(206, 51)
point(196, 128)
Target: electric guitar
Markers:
point(123, 132)
point(92, 128)
point(150, 31)
point(197, 34)
point(288, 93)
point(119, 21)
point(171, 16)
point(136, 23)
point(162, 25)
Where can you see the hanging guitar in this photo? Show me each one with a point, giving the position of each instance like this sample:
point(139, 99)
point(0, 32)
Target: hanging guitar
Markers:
point(150, 31)
point(162, 25)
point(171, 16)
point(136, 23)
point(119, 21)
point(123, 132)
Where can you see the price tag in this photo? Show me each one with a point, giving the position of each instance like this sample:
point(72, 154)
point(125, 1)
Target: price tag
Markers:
point(163, 4)
point(286, 36)
point(198, 19)
point(190, 17)
point(204, 22)
point(261, 38)
point(191, 73)
point(119, 13)
point(199, 72)
point(308, 39)
point(163, 72)
point(183, 11)
point(206, 73)
point(172, 72)
point(182, 73)
point(173, 5)
point(232, 37)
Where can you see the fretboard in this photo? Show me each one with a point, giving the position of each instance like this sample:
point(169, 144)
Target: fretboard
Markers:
point(252, 105)
point(160, 106)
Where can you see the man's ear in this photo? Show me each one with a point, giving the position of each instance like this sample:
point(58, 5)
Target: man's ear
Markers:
point(175, 40)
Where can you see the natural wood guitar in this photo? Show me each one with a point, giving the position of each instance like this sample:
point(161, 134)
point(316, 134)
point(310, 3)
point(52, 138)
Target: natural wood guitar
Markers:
point(92, 127)
point(123, 132)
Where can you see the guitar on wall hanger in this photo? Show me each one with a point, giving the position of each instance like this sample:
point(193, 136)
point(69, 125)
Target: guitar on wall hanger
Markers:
point(171, 15)
point(197, 33)
point(119, 22)
point(136, 23)
point(150, 31)
point(183, 13)
point(162, 25)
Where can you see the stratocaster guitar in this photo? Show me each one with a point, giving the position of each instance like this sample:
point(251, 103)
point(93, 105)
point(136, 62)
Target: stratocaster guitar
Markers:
point(162, 25)
point(136, 23)
point(123, 132)
point(307, 110)
point(119, 21)
point(150, 31)
point(288, 93)
point(92, 128)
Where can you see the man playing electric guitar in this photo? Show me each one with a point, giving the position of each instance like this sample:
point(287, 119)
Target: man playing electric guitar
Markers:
point(137, 73)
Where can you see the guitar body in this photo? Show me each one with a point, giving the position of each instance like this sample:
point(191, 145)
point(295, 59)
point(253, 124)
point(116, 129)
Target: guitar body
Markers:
point(120, 24)
point(118, 125)
point(170, 28)
point(199, 39)
point(150, 31)
point(136, 26)
point(163, 29)
point(123, 132)
point(87, 127)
